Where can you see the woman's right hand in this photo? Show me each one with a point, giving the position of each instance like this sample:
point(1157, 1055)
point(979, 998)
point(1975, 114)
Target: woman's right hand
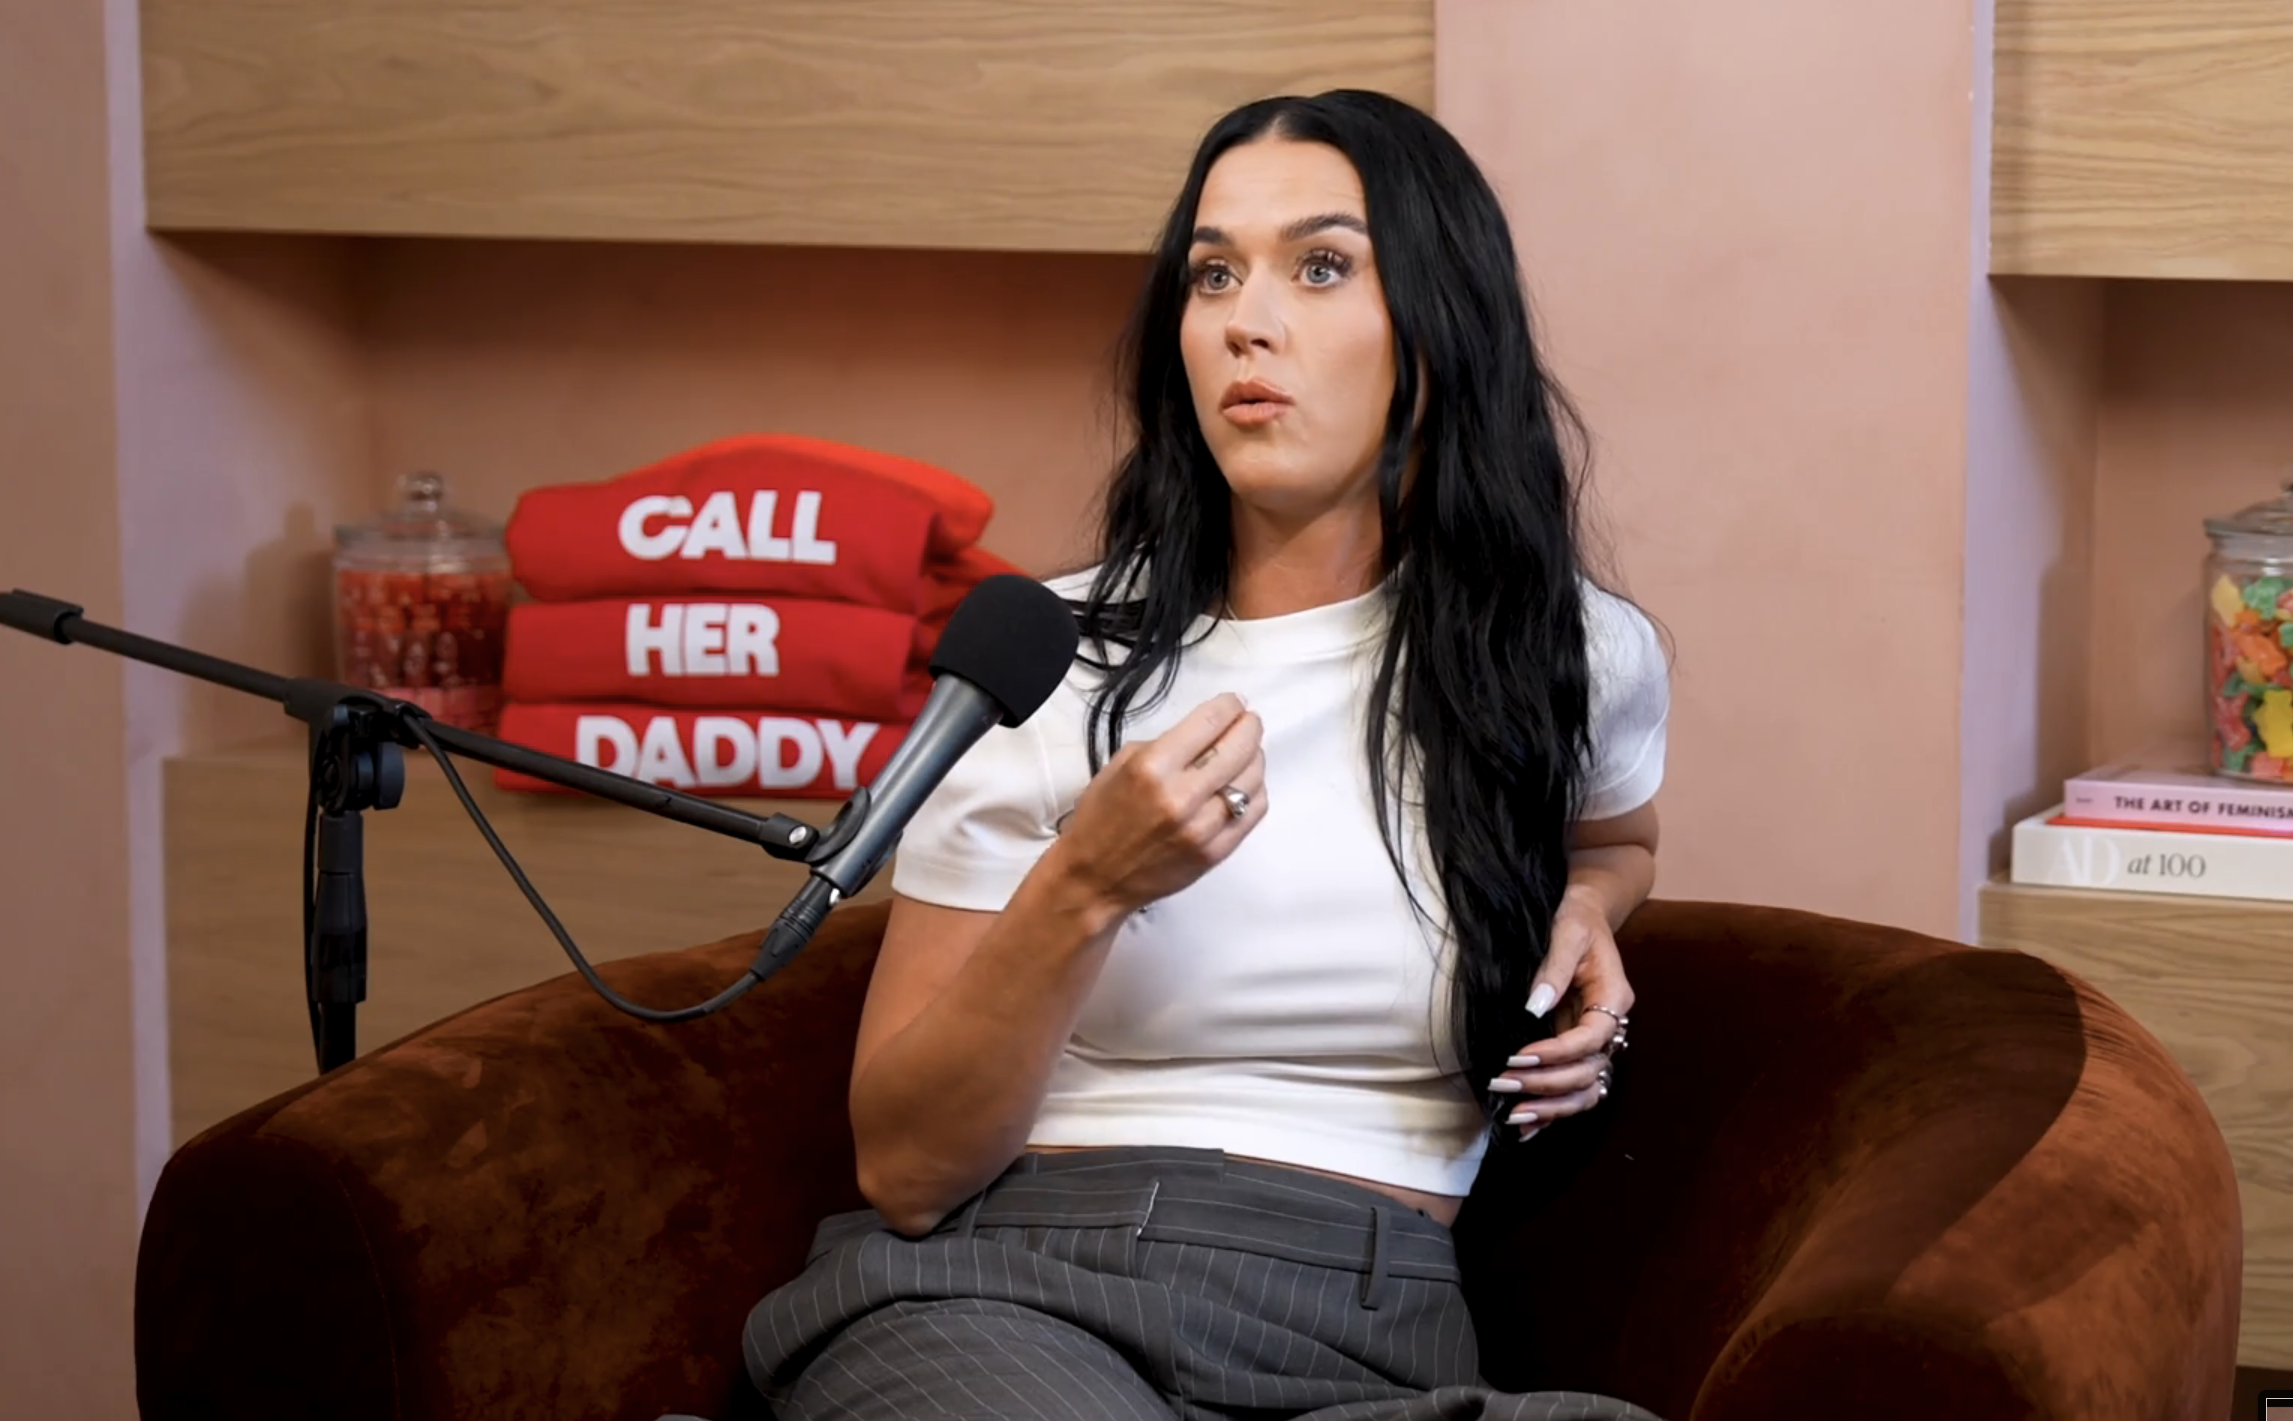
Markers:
point(1156, 817)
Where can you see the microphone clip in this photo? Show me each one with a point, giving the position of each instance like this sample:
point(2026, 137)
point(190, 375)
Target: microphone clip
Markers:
point(356, 764)
point(840, 830)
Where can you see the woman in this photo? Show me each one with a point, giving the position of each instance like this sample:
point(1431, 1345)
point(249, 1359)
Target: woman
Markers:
point(1205, 991)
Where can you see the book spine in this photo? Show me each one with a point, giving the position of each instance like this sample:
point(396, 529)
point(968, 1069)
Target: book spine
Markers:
point(2058, 855)
point(2226, 810)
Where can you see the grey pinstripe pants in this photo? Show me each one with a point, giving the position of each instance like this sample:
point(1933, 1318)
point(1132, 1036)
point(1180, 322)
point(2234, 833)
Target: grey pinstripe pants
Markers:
point(1139, 1283)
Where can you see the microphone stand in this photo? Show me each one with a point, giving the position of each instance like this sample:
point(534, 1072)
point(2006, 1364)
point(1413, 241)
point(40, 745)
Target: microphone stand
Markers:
point(357, 764)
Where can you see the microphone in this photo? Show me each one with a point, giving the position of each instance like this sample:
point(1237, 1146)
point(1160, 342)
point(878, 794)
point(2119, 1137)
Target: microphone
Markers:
point(1005, 650)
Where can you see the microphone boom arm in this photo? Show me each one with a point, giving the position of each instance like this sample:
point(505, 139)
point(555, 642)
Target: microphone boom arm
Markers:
point(778, 835)
point(357, 738)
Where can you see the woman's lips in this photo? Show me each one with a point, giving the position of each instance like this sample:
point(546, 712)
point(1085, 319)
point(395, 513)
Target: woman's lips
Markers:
point(1251, 403)
point(1251, 414)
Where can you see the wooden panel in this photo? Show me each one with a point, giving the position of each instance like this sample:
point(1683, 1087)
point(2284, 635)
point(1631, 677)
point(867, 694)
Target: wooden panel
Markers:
point(1024, 124)
point(447, 927)
point(2144, 138)
point(2212, 979)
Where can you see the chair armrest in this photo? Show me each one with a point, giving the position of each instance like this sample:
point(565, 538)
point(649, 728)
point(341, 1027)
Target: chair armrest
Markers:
point(538, 1206)
point(1853, 1170)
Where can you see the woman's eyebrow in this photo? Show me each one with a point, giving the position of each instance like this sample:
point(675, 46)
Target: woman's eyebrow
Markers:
point(1296, 231)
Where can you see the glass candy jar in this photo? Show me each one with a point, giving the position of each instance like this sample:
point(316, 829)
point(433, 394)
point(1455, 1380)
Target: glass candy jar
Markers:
point(2249, 640)
point(421, 603)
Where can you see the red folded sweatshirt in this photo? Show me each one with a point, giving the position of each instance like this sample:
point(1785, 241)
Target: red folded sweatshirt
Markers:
point(950, 580)
point(795, 654)
point(764, 754)
point(773, 513)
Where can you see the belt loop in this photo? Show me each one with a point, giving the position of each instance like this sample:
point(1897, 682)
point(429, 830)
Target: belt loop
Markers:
point(1373, 1286)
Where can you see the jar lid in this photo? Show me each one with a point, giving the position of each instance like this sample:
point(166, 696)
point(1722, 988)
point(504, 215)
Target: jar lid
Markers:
point(424, 523)
point(2271, 518)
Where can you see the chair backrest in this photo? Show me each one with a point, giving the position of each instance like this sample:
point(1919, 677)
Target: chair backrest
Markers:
point(1838, 1151)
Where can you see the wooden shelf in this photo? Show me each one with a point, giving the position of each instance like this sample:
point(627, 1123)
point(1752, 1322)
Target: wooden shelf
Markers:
point(2212, 979)
point(2143, 138)
point(1040, 125)
point(448, 929)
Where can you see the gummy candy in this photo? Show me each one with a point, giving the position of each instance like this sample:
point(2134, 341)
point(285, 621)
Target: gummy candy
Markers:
point(2230, 730)
point(2226, 600)
point(2275, 722)
point(433, 638)
point(2260, 659)
point(2249, 659)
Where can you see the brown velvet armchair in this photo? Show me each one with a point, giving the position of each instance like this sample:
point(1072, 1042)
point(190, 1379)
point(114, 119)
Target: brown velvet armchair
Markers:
point(1847, 1171)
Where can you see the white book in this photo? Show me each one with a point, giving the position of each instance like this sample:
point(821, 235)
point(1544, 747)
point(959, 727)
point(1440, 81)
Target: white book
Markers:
point(2151, 860)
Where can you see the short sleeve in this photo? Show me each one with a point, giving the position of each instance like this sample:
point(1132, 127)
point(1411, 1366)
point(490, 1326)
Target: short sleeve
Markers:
point(1631, 705)
point(977, 835)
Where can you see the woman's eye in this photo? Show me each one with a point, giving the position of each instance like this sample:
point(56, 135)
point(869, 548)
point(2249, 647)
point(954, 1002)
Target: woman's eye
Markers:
point(1210, 280)
point(1324, 269)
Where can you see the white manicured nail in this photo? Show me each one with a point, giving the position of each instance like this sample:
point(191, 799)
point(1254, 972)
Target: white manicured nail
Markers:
point(1522, 1116)
point(1502, 1086)
point(1515, 1063)
point(1528, 1131)
point(1541, 1000)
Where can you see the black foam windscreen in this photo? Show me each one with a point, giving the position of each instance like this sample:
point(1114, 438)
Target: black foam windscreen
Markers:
point(1013, 638)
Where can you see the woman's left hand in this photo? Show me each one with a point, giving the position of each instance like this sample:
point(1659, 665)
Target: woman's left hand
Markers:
point(1567, 1073)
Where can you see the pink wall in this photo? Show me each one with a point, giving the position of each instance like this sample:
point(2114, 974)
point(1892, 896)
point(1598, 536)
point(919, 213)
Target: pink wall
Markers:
point(67, 1080)
point(1747, 229)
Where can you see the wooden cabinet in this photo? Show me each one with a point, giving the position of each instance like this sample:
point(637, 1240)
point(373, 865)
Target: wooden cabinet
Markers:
point(1034, 125)
point(2212, 979)
point(2143, 138)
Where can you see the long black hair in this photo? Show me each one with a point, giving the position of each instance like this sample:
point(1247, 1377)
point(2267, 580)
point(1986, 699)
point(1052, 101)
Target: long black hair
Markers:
point(1481, 699)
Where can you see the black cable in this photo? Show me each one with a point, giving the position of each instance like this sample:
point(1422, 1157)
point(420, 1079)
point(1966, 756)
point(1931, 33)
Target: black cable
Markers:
point(412, 718)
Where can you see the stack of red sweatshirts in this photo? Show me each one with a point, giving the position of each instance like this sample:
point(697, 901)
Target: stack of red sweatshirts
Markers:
point(753, 617)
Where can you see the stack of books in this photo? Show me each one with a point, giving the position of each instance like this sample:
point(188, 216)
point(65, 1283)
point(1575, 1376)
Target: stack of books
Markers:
point(2162, 823)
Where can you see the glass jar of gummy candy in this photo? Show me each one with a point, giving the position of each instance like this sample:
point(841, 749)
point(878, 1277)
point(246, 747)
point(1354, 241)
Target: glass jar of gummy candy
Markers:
point(421, 604)
point(2249, 640)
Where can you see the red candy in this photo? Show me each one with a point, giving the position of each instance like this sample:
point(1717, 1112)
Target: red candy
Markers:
point(431, 638)
point(2229, 728)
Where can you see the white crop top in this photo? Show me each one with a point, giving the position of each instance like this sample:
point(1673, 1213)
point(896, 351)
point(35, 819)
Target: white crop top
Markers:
point(1289, 1005)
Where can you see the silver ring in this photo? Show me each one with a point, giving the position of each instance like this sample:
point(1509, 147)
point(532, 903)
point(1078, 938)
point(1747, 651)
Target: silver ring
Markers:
point(1237, 801)
point(1622, 1021)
